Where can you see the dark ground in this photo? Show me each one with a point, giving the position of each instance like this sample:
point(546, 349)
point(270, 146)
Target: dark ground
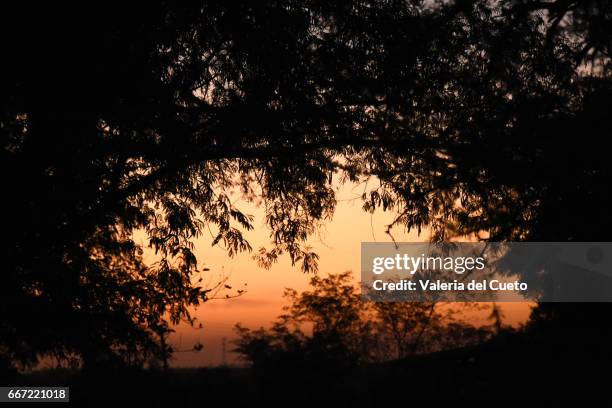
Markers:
point(513, 370)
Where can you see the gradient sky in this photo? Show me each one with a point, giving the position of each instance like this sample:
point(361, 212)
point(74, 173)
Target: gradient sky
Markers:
point(338, 246)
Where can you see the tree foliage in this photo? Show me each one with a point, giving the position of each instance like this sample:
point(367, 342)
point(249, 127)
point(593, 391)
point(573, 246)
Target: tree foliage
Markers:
point(465, 117)
point(330, 325)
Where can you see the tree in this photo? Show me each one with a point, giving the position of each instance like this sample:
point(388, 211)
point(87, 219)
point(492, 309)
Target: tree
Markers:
point(330, 326)
point(462, 115)
point(406, 324)
point(332, 311)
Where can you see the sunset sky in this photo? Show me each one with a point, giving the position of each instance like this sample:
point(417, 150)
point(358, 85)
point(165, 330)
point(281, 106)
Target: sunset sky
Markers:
point(338, 246)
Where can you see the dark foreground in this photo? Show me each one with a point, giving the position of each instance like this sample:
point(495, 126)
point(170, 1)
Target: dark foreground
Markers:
point(511, 370)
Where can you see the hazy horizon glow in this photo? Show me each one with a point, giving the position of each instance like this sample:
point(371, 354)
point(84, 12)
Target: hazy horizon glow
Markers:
point(338, 245)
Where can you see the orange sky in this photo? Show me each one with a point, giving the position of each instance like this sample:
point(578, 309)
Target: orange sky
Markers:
point(339, 249)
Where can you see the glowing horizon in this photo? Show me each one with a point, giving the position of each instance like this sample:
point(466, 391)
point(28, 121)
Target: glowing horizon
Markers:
point(338, 246)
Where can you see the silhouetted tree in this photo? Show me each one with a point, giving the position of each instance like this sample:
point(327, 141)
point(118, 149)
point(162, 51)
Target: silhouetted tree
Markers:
point(330, 326)
point(332, 310)
point(465, 116)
